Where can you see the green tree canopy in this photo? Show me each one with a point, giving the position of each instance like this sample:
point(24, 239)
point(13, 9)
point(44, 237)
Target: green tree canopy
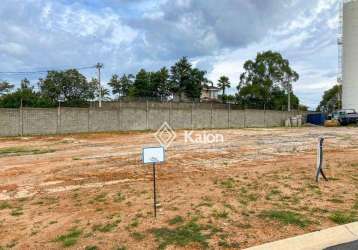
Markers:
point(121, 85)
point(187, 80)
point(70, 85)
point(265, 81)
point(331, 99)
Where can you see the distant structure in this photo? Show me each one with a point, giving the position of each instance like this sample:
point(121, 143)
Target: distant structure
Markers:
point(210, 93)
point(348, 43)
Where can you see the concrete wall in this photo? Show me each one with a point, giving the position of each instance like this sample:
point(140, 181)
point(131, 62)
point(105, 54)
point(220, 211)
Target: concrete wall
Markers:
point(134, 116)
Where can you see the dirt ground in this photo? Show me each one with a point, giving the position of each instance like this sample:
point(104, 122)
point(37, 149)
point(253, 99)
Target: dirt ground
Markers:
point(91, 191)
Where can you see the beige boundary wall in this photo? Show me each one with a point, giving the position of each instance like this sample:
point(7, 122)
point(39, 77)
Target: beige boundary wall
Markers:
point(134, 116)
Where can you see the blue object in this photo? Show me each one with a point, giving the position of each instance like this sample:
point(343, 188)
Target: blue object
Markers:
point(316, 118)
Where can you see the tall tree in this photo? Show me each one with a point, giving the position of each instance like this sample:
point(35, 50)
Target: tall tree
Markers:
point(331, 99)
point(160, 83)
point(121, 85)
point(185, 79)
point(5, 87)
point(224, 83)
point(142, 84)
point(25, 84)
point(265, 80)
point(69, 84)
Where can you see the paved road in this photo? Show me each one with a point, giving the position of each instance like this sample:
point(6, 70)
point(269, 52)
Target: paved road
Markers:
point(347, 246)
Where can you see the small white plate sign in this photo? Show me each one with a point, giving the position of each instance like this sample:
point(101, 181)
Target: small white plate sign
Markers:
point(153, 155)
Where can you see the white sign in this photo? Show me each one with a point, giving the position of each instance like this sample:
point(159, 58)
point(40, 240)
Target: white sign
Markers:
point(153, 155)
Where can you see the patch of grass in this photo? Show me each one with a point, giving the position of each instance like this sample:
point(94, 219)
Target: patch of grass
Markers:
point(224, 244)
point(221, 214)
point(341, 217)
point(286, 217)
point(91, 248)
point(105, 228)
point(4, 205)
point(121, 248)
point(336, 200)
point(228, 183)
point(176, 220)
point(137, 236)
point(183, 235)
point(119, 197)
point(17, 211)
point(70, 238)
point(101, 197)
point(17, 151)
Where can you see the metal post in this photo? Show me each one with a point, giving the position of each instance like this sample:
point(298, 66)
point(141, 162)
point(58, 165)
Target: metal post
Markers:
point(320, 160)
point(155, 193)
point(99, 66)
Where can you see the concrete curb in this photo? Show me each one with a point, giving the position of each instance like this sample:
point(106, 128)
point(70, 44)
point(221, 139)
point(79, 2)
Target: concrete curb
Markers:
point(316, 240)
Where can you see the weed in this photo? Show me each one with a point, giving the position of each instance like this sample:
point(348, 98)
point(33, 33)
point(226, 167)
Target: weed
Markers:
point(4, 205)
point(176, 220)
point(336, 200)
point(91, 248)
point(183, 235)
point(17, 211)
point(70, 238)
point(105, 228)
point(225, 244)
point(119, 197)
point(340, 217)
point(228, 183)
point(221, 214)
point(101, 197)
point(17, 151)
point(137, 236)
point(286, 217)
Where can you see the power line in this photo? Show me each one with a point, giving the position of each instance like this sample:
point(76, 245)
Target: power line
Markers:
point(42, 71)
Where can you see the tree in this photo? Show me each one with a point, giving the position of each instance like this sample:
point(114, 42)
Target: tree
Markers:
point(121, 86)
point(27, 97)
point(265, 80)
point(185, 79)
point(160, 83)
point(25, 84)
point(69, 84)
point(142, 85)
point(5, 87)
point(331, 99)
point(224, 83)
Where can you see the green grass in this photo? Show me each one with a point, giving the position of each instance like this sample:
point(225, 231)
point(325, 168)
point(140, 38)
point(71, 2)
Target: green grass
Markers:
point(286, 217)
point(105, 228)
point(17, 211)
point(181, 236)
point(340, 217)
point(228, 183)
point(4, 205)
point(221, 214)
point(137, 236)
point(70, 238)
point(91, 248)
point(176, 220)
point(119, 197)
point(17, 151)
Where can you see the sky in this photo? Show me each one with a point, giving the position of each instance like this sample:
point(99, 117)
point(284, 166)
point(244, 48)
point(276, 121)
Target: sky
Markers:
point(127, 35)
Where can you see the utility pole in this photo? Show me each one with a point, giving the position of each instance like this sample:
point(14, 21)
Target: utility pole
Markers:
point(99, 66)
point(289, 97)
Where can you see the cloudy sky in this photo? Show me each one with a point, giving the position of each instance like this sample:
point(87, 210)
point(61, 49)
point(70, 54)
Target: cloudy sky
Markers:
point(126, 35)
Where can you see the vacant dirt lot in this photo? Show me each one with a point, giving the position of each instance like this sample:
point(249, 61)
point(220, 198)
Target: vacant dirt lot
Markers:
point(91, 191)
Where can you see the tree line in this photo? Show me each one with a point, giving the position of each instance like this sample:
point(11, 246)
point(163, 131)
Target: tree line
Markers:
point(265, 82)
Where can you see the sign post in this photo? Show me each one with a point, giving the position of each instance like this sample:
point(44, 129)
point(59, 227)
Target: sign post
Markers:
point(153, 156)
point(320, 160)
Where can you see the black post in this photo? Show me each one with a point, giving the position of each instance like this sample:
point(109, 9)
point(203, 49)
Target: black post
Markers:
point(320, 165)
point(155, 192)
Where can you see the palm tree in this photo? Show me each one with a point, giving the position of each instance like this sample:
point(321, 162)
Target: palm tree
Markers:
point(224, 83)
